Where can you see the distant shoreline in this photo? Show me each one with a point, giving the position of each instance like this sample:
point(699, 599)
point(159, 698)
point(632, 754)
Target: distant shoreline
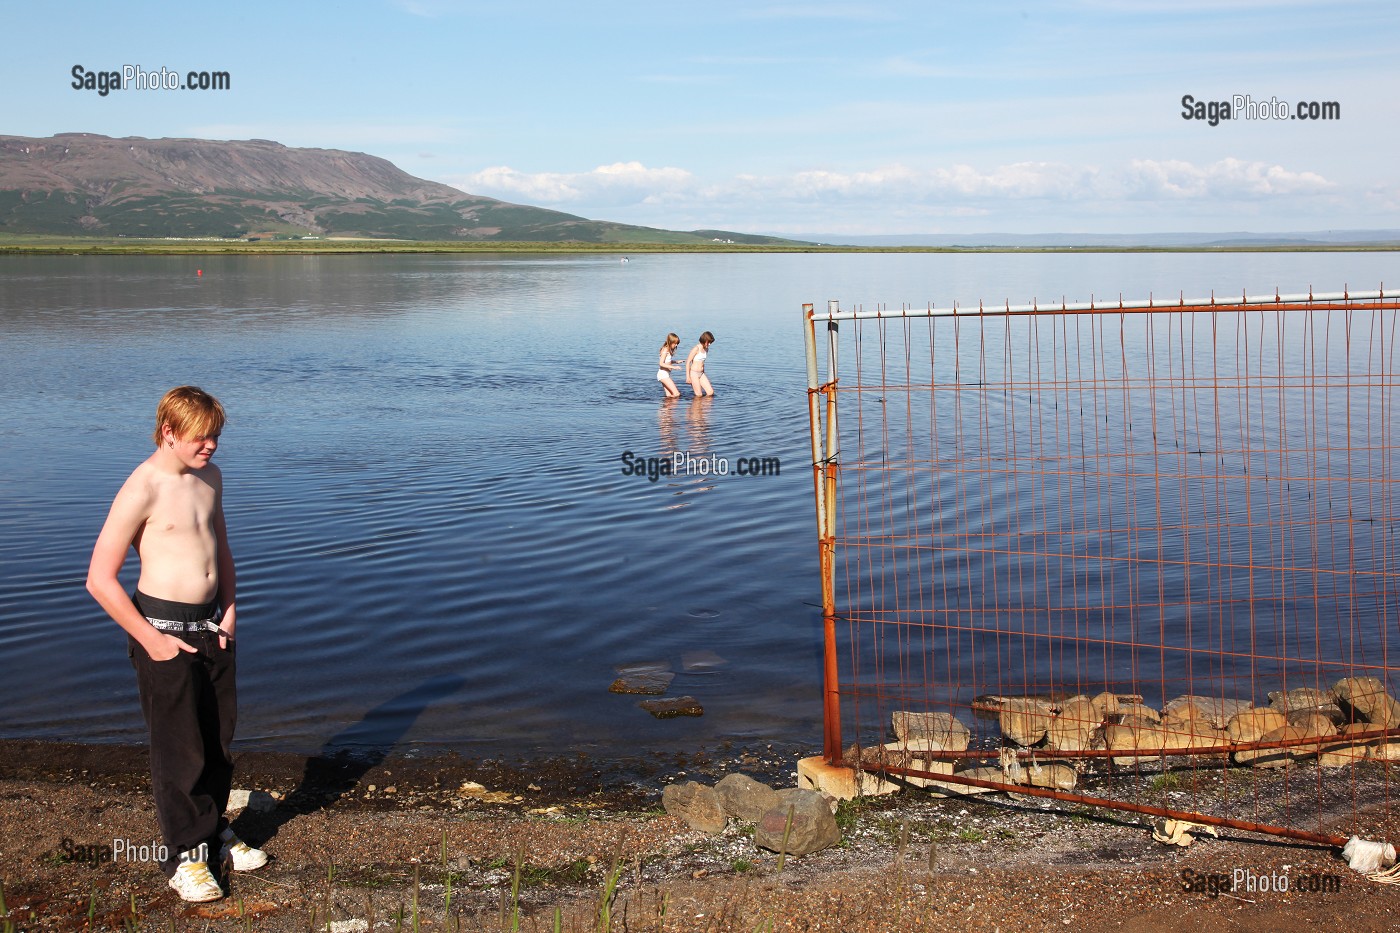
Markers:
point(76, 246)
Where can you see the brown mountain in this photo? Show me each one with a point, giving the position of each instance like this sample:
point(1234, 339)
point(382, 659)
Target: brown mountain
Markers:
point(86, 184)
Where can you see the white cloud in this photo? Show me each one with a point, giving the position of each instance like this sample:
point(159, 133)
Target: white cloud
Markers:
point(618, 183)
point(1140, 179)
point(1227, 178)
point(1143, 179)
point(915, 197)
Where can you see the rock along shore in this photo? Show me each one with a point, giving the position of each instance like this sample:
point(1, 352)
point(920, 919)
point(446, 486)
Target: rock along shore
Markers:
point(357, 842)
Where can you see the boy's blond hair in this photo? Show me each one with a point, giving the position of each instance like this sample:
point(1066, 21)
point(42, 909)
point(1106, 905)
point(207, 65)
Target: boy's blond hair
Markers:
point(190, 412)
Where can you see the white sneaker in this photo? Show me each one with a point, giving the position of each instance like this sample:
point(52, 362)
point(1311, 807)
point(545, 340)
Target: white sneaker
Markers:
point(242, 856)
point(192, 880)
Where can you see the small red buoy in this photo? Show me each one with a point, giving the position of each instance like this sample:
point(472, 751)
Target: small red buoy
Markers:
point(199, 272)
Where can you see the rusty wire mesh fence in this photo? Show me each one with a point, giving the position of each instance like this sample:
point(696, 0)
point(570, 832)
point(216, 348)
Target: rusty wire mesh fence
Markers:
point(1119, 538)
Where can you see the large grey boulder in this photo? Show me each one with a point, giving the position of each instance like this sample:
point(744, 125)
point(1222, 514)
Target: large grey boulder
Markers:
point(813, 824)
point(1024, 720)
point(744, 798)
point(695, 803)
point(1367, 697)
point(1276, 757)
point(1251, 725)
point(1214, 712)
point(1305, 698)
point(1074, 728)
point(943, 730)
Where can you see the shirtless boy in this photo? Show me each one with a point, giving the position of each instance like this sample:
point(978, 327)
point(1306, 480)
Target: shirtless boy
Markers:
point(179, 625)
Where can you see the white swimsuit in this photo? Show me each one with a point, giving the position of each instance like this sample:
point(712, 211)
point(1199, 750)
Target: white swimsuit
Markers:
point(661, 374)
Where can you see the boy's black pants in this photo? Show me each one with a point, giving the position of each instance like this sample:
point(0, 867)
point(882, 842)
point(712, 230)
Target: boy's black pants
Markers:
point(190, 704)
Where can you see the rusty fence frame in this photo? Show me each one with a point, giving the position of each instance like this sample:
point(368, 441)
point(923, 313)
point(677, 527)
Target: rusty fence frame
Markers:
point(823, 393)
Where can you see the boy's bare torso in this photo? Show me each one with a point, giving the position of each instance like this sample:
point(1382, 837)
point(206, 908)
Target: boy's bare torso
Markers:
point(177, 541)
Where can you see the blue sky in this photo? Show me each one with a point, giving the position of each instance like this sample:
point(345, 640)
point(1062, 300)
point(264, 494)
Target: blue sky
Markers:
point(778, 117)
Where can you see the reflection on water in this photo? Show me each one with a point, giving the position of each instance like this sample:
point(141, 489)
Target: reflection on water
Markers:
point(698, 420)
point(423, 481)
point(698, 463)
point(666, 426)
point(687, 462)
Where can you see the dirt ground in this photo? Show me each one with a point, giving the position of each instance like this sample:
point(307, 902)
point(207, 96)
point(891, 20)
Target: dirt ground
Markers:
point(444, 843)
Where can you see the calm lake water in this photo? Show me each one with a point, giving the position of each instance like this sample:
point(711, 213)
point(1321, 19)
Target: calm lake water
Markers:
point(436, 541)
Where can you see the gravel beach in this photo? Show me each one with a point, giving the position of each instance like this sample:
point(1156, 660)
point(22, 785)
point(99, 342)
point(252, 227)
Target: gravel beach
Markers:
point(439, 842)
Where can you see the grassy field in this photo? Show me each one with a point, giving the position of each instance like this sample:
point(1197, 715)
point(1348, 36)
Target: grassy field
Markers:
point(19, 244)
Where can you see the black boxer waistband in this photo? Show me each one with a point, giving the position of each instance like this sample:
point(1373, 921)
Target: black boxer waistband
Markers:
point(167, 615)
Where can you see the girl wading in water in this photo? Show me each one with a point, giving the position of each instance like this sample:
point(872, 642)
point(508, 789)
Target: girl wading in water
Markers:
point(695, 366)
point(666, 363)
